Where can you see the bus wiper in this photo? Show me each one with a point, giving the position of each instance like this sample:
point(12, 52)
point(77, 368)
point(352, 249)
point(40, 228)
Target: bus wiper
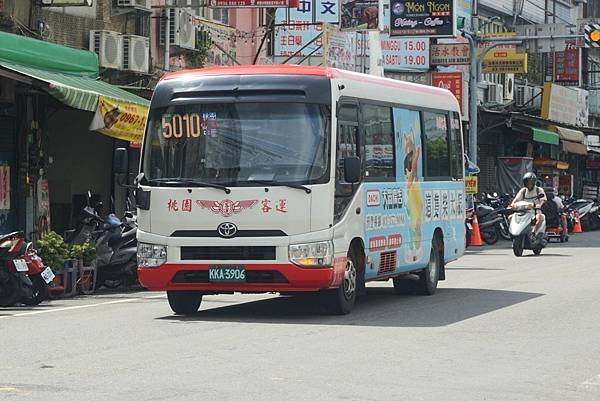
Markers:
point(282, 184)
point(176, 182)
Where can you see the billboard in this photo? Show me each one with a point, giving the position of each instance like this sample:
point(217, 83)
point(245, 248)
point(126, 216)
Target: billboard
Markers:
point(299, 26)
point(452, 81)
point(359, 14)
point(432, 18)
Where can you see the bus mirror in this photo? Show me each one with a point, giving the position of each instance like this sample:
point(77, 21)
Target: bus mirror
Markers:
point(352, 169)
point(120, 162)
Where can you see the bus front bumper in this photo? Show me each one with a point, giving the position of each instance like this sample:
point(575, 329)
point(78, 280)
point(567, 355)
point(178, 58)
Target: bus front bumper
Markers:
point(284, 277)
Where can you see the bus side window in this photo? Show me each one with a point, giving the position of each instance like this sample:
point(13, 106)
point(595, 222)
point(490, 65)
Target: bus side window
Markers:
point(437, 149)
point(456, 146)
point(379, 143)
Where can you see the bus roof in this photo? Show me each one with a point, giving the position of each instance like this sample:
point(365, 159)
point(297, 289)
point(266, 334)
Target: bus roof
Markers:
point(286, 69)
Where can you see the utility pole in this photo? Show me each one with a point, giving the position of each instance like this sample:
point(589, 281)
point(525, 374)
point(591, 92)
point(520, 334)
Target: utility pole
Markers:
point(167, 22)
point(475, 75)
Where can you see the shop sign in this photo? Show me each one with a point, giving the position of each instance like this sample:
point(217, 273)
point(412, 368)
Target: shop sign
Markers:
point(432, 18)
point(120, 120)
point(503, 47)
point(450, 54)
point(4, 187)
point(592, 164)
point(402, 54)
point(422, 78)
point(560, 103)
point(296, 28)
point(359, 15)
point(453, 81)
point(502, 62)
point(567, 67)
point(252, 3)
point(339, 48)
point(471, 184)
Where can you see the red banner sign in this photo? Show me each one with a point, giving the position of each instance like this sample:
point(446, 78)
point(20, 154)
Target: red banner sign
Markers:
point(253, 3)
point(453, 81)
point(566, 66)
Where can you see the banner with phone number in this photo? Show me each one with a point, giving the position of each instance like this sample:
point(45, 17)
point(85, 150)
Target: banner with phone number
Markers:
point(120, 120)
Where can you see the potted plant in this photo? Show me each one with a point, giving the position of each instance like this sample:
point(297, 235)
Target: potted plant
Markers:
point(85, 254)
point(54, 252)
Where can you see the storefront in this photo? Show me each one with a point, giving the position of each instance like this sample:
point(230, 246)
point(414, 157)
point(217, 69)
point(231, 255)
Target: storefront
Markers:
point(69, 122)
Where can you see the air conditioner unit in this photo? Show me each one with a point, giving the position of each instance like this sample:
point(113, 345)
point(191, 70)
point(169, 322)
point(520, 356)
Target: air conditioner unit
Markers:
point(520, 95)
point(109, 47)
point(182, 31)
point(495, 93)
point(536, 95)
point(185, 30)
point(137, 4)
point(509, 87)
point(136, 53)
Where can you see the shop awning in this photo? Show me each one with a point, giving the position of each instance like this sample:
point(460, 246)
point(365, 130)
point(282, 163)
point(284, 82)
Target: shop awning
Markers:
point(79, 92)
point(550, 163)
point(545, 136)
point(569, 134)
point(574, 147)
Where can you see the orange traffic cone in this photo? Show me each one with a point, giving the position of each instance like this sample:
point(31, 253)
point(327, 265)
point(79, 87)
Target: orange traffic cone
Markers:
point(577, 226)
point(476, 236)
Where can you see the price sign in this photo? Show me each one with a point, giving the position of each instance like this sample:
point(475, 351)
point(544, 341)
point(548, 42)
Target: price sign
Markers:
point(405, 54)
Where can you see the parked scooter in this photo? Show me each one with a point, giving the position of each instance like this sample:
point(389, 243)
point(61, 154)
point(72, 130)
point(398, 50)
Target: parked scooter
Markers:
point(116, 244)
point(588, 212)
point(522, 226)
point(23, 276)
point(491, 218)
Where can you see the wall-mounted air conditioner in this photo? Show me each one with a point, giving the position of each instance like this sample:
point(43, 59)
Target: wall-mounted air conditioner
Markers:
point(145, 5)
point(136, 53)
point(509, 87)
point(182, 31)
point(495, 94)
point(108, 46)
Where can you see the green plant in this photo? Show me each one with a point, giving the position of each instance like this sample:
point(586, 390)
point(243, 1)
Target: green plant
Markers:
point(85, 252)
point(53, 251)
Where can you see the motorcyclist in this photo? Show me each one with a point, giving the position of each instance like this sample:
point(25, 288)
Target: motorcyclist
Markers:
point(561, 211)
point(530, 193)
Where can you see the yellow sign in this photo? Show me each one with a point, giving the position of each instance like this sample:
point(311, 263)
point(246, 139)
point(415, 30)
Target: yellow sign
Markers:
point(506, 48)
point(120, 120)
point(505, 63)
point(471, 184)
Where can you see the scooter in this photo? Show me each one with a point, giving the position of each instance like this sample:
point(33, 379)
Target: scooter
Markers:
point(522, 223)
point(41, 276)
point(23, 276)
point(116, 250)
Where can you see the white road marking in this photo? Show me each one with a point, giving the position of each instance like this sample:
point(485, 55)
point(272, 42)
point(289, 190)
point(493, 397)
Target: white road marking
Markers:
point(593, 382)
point(121, 301)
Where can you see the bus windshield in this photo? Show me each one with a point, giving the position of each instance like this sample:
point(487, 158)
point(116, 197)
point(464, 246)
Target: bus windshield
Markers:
point(236, 143)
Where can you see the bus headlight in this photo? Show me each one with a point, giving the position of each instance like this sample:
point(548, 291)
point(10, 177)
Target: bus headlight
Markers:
point(151, 255)
point(315, 254)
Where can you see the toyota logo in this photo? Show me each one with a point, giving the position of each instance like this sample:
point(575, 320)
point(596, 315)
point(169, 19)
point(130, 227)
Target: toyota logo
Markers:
point(227, 230)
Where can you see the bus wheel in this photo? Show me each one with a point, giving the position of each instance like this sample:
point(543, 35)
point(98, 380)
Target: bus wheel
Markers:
point(184, 302)
point(340, 301)
point(428, 277)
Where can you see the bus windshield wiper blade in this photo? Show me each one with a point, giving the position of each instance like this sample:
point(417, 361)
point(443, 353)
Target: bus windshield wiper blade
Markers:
point(188, 182)
point(281, 184)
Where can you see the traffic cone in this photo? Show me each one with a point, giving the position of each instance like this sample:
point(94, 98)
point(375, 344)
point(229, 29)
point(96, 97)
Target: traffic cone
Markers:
point(577, 226)
point(476, 236)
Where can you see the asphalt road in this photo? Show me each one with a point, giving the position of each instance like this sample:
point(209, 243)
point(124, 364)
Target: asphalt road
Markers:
point(500, 328)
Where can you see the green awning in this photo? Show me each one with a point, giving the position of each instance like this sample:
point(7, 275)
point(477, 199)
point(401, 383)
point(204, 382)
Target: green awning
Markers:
point(545, 136)
point(76, 91)
point(48, 56)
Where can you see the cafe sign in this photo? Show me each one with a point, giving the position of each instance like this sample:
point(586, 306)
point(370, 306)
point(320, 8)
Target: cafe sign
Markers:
point(425, 18)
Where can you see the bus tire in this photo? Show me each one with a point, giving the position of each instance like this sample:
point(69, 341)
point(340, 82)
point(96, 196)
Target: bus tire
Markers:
point(340, 301)
point(429, 277)
point(184, 302)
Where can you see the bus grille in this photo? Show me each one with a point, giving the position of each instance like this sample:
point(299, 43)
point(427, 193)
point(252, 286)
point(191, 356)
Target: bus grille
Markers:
point(387, 262)
point(228, 253)
point(252, 276)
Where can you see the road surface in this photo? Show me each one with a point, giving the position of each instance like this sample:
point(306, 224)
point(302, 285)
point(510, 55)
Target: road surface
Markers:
point(500, 328)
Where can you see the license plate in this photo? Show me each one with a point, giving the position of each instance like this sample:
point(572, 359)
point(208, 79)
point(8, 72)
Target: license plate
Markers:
point(48, 275)
point(20, 265)
point(226, 273)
